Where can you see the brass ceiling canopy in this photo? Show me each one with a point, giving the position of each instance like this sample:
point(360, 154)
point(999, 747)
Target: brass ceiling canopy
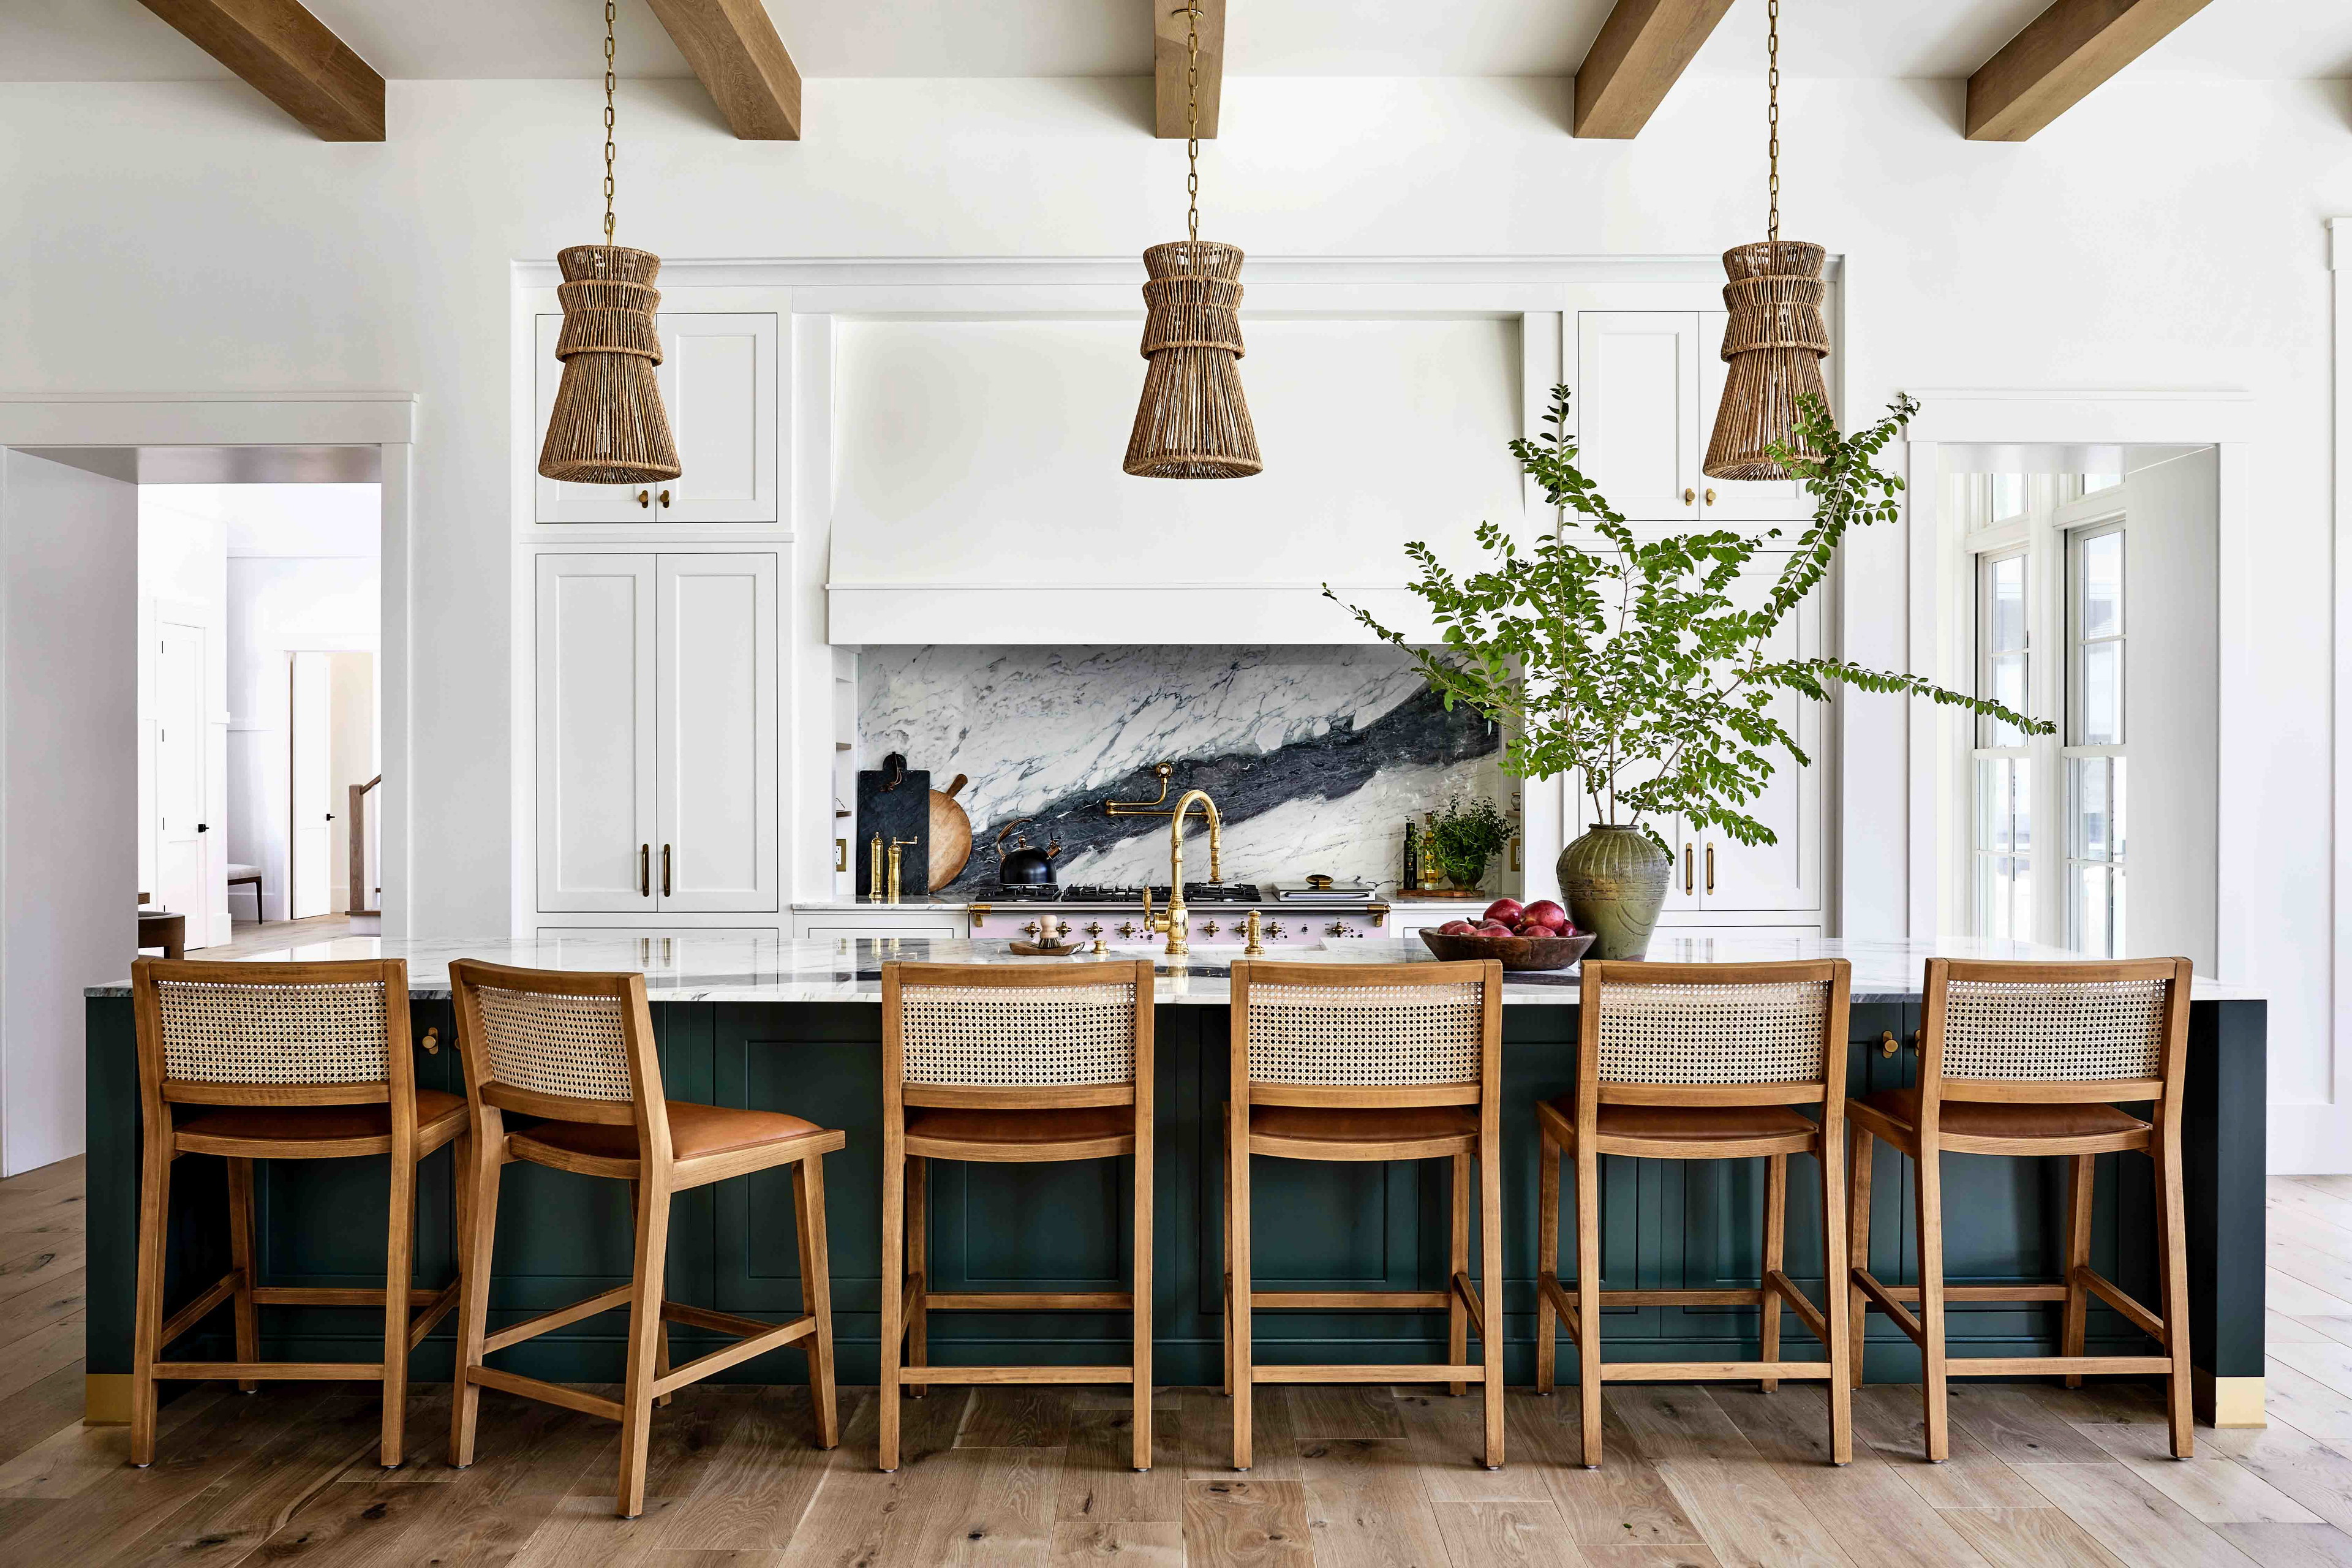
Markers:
point(608, 427)
point(1775, 338)
point(1193, 422)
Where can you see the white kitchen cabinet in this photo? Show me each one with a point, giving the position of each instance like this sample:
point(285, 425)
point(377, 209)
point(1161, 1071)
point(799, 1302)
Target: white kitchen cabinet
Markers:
point(1649, 383)
point(656, 733)
point(717, 381)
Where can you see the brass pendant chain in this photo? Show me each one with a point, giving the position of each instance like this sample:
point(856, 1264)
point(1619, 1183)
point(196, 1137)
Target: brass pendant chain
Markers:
point(1192, 119)
point(607, 118)
point(1772, 112)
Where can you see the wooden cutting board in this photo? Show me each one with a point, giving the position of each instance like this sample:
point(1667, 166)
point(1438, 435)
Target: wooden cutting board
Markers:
point(951, 836)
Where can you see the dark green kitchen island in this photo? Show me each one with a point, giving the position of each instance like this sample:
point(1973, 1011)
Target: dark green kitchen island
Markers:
point(798, 1028)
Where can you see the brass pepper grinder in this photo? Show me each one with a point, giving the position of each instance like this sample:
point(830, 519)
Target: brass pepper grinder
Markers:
point(873, 870)
point(897, 851)
point(1251, 947)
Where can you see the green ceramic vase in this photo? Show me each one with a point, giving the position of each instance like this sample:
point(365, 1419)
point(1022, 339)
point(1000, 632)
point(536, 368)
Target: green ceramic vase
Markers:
point(1613, 881)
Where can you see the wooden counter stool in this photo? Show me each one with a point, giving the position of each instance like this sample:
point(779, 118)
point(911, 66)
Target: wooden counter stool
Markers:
point(280, 1061)
point(1392, 1061)
point(1701, 1061)
point(987, 1063)
point(2032, 1058)
point(577, 1050)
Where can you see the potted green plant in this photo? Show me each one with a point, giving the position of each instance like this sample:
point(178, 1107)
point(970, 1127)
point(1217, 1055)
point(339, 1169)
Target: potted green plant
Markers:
point(1468, 833)
point(1641, 667)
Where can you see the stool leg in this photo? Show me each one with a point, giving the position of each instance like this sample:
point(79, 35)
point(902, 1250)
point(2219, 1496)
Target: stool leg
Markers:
point(474, 1295)
point(1490, 1283)
point(241, 1256)
point(1237, 1258)
point(1142, 1285)
point(2172, 1255)
point(1930, 1195)
point(1457, 1262)
point(399, 1268)
point(1776, 1225)
point(1588, 1298)
point(1228, 1237)
point(1856, 1306)
point(894, 1290)
point(1834, 1256)
point(1546, 1264)
point(661, 1343)
point(816, 1293)
point(918, 1263)
point(645, 1339)
point(147, 1335)
point(2082, 1176)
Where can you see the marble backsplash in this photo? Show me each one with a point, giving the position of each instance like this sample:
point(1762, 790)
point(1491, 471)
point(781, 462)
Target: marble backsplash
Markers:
point(1314, 755)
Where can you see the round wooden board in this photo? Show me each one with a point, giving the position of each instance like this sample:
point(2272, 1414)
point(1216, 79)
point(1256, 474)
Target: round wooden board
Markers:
point(951, 836)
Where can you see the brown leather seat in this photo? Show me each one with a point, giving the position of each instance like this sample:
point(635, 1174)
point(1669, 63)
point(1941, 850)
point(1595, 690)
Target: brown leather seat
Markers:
point(1684, 1124)
point(440, 1116)
point(1018, 1127)
point(1441, 1129)
point(2007, 1118)
point(695, 1131)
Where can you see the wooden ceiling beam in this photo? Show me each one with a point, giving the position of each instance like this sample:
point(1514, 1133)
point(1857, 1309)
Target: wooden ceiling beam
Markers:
point(291, 57)
point(1169, 29)
point(733, 48)
point(2060, 57)
point(1640, 54)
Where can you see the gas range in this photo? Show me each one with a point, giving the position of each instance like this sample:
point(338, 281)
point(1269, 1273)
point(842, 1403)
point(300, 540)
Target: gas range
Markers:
point(1113, 914)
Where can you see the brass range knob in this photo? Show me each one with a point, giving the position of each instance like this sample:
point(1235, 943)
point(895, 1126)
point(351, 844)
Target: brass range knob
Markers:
point(1030, 930)
point(1210, 927)
point(1094, 928)
point(1125, 928)
point(1341, 927)
point(1274, 928)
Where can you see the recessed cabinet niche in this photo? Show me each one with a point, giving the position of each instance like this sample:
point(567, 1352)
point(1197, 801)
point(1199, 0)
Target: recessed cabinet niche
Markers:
point(655, 690)
point(1648, 382)
point(717, 380)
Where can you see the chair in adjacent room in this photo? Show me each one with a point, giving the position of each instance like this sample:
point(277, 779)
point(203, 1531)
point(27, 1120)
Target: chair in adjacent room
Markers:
point(280, 1061)
point(1375, 1062)
point(2038, 1059)
point(991, 1064)
point(1700, 1061)
point(574, 1055)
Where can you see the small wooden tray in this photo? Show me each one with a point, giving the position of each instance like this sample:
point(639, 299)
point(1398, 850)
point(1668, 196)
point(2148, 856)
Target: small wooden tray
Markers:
point(1031, 950)
point(1406, 896)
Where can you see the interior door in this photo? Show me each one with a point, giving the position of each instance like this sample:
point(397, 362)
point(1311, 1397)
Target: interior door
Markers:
point(1737, 500)
point(182, 830)
point(718, 384)
point(1637, 410)
point(716, 846)
point(309, 794)
point(594, 755)
point(1786, 876)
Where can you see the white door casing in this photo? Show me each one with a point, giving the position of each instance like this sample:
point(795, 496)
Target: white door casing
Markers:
point(183, 831)
point(309, 792)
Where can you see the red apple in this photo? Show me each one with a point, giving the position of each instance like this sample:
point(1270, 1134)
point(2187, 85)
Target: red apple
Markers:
point(1456, 928)
point(1506, 911)
point(1495, 928)
point(1543, 912)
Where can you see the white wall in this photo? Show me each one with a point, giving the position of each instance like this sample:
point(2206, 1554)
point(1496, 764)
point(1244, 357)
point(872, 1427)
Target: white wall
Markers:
point(2163, 234)
point(69, 842)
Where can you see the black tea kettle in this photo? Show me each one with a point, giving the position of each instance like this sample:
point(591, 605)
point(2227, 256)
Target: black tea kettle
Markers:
point(1023, 865)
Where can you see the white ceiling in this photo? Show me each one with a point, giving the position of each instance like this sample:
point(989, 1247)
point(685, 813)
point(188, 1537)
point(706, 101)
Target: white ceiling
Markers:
point(121, 40)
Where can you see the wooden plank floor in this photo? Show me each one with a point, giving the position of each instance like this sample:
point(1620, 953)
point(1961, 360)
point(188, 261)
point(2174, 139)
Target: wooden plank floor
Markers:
point(1698, 1477)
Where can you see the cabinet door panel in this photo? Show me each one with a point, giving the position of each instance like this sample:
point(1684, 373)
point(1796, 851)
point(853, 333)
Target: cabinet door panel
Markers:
point(1637, 410)
point(1737, 500)
point(595, 692)
point(716, 849)
point(1785, 876)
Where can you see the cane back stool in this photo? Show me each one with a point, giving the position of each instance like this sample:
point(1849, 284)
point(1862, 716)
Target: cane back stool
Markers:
point(2033, 1058)
point(1392, 1061)
point(1700, 1061)
point(280, 1061)
point(991, 1064)
point(575, 1053)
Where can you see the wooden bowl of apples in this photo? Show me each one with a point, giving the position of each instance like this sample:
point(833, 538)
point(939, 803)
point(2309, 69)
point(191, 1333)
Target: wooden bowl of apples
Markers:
point(1521, 936)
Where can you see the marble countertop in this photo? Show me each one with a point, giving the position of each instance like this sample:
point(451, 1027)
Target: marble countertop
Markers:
point(720, 966)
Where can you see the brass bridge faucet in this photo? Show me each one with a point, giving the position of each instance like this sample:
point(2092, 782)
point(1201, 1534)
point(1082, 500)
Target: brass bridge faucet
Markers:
point(1174, 920)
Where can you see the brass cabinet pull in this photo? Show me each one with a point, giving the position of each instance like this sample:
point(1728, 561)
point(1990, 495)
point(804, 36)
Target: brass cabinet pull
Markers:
point(645, 498)
point(664, 496)
point(1888, 1045)
point(1689, 495)
point(644, 871)
point(1687, 875)
point(666, 869)
point(1710, 869)
point(1710, 498)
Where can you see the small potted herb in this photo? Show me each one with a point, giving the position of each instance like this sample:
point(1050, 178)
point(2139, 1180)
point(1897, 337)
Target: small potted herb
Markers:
point(1468, 833)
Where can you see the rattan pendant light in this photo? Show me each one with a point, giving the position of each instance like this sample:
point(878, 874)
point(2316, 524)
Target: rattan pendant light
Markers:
point(1193, 422)
point(608, 427)
point(1775, 339)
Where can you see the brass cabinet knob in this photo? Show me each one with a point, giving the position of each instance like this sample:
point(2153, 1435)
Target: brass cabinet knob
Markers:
point(1689, 495)
point(645, 498)
point(432, 1041)
point(664, 496)
point(1710, 498)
